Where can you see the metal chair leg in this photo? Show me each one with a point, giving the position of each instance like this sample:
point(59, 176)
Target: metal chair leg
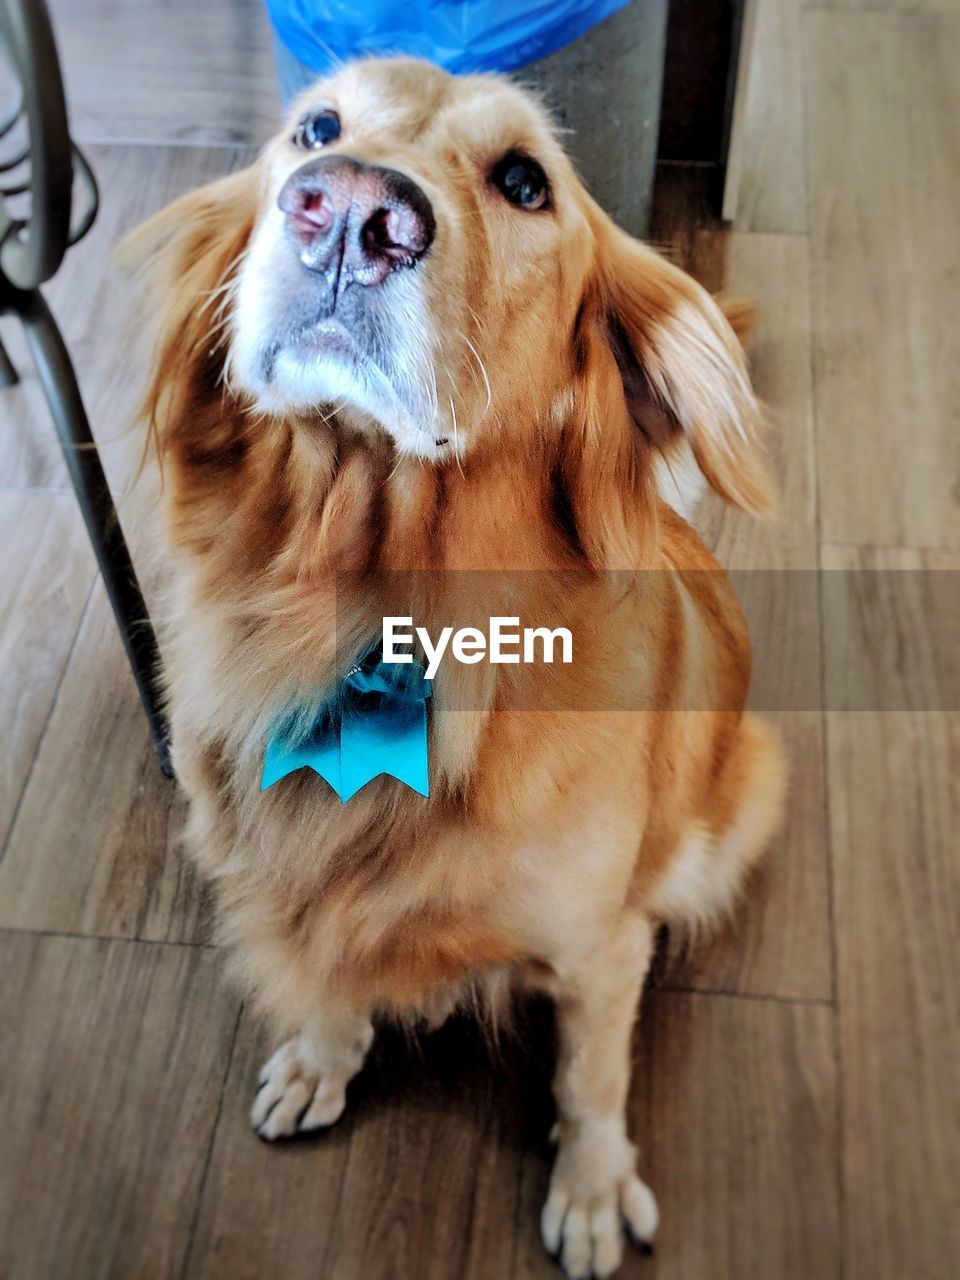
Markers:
point(8, 373)
point(93, 494)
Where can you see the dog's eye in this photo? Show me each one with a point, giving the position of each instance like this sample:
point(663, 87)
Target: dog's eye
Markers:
point(521, 181)
point(317, 129)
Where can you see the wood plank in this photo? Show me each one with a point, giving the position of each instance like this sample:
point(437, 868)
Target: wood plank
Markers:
point(735, 1110)
point(113, 1063)
point(779, 942)
point(96, 307)
point(110, 358)
point(721, 1173)
point(885, 6)
point(883, 96)
point(774, 270)
point(894, 781)
point(122, 871)
point(30, 456)
point(95, 847)
point(766, 188)
point(419, 1178)
point(179, 72)
point(733, 168)
point(46, 574)
point(440, 1165)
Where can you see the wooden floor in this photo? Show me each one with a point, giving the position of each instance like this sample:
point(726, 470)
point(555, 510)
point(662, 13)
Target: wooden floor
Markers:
point(796, 1093)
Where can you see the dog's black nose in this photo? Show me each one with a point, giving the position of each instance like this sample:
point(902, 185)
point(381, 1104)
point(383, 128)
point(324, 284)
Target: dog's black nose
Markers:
point(355, 219)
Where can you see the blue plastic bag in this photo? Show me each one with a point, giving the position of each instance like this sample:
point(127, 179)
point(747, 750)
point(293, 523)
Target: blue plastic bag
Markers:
point(459, 35)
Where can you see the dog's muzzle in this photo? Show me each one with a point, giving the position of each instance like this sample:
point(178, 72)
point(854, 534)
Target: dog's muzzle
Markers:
point(354, 223)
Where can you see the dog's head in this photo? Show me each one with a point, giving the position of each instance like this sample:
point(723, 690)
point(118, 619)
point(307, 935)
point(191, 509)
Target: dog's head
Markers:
point(415, 256)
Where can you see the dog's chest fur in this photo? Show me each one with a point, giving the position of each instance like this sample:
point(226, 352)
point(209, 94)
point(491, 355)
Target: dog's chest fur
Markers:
point(392, 897)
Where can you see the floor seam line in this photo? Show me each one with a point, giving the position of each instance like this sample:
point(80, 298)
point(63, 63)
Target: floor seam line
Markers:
point(812, 300)
point(79, 935)
point(201, 1189)
point(41, 737)
point(815, 1002)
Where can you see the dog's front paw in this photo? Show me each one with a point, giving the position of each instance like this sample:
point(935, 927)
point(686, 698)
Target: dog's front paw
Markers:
point(300, 1092)
point(594, 1194)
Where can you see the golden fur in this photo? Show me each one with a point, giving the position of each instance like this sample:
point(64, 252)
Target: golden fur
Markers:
point(572, 359)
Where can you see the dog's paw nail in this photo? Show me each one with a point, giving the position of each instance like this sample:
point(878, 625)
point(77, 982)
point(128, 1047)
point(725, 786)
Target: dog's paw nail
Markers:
point(607, 1239)
point(326, 1108)
point(640, 1210)
point(644, 1247)
point(297, 1095)
point(551, 1220)
point(585, 1227)
point(576, 1253)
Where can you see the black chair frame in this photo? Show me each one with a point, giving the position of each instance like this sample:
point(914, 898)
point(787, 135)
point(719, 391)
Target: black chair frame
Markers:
point(32, 246)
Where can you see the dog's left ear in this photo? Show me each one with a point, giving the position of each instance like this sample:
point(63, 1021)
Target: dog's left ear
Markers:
point(185, 258)
point(683, 368)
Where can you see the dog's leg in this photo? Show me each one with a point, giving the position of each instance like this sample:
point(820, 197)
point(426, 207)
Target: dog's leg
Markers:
point(303, 1086)
point(594, 1188)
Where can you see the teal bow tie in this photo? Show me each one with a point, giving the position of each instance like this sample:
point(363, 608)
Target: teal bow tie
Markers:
point(376, 723)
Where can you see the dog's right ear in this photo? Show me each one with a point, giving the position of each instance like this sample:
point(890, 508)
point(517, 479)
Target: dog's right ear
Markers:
point(199, 233)
point(683, 367)
point(185, 261)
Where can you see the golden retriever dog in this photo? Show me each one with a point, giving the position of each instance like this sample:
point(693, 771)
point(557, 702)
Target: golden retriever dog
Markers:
point(407, 342)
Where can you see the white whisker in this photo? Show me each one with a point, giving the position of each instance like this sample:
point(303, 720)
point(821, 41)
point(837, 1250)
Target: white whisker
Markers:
point(483, 372)
point(456, 436)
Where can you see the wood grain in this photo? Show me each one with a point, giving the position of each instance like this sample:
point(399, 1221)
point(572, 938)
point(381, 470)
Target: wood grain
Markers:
point(111, 362)
point(97, 308)
point(30, 456)
point(177, 72)
point(110, 821)
point(45, 578)
point(885, 6)
point(895, 810)
point(766, 187)
point(774, 270)
point(778, 943)
point(113, 1063)
point(747, 1187)
point(883, 97)
point(95, 847)
point(440, 1166)
point(420, 1177)
point(733, 168)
